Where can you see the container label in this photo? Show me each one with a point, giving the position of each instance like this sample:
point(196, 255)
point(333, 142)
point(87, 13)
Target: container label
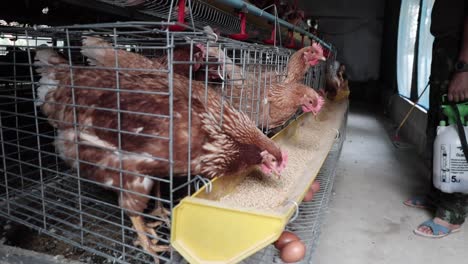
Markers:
point(457, 169)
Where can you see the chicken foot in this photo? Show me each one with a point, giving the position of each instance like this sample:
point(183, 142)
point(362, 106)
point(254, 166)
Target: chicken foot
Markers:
point(142, 230)
point(160, 211)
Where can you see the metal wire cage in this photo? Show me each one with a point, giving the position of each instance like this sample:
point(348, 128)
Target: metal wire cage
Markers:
point(248, 71)
point(315, 77)
point(39, 188)
point(44, 188)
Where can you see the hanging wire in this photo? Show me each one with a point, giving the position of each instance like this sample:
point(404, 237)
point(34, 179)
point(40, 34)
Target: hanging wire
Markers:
point(276, 24)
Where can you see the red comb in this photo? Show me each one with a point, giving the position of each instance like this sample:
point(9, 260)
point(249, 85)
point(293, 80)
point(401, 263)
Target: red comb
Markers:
point(318, 47)
point(202, 48)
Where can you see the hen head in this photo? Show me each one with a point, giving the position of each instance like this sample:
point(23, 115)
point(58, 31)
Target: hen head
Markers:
point(214, 60)
point(311, 101)
point(314, 54)
point(182, 54)
point(341, 69)
point(271, 164)
point(237, 144)
point(198, 55)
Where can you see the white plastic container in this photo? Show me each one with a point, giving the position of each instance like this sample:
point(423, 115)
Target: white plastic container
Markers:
point(450, 169)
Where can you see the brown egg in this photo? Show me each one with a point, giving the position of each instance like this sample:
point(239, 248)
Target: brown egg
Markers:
point(285, 238)
point(309, 195)
point(315, 186)
point(293, 252)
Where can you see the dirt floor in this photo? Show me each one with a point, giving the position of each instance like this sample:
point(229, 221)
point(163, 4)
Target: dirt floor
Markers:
point(17, 235)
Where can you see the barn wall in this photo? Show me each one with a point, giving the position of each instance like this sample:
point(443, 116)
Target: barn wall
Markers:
point(389, 46)
point(414, 129)
point(356, 29)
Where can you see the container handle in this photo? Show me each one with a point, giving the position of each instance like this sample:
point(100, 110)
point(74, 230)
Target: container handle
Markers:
point(338, 134)
point(296, 212)
point(205, 182)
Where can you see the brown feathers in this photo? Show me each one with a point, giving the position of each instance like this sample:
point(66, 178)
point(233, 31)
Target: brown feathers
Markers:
point(129, 130)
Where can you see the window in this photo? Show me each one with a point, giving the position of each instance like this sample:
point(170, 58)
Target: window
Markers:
point(407, 29)
point(425, 51)
point(411, 29)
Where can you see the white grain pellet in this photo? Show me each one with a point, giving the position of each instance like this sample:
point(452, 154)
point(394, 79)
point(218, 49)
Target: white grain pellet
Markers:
point(267, 192)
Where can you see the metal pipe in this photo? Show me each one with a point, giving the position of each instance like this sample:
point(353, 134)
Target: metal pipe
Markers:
point(239, 4)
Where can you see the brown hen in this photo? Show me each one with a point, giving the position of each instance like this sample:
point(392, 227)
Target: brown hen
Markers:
point(279, 100)
point(110, 134)
point(301, 61)
point(336, 84)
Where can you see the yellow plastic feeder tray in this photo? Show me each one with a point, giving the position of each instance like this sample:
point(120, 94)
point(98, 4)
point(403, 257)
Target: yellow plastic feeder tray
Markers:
point(205, 230)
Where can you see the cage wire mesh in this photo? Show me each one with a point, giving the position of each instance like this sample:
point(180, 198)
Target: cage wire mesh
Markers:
point(44, 184)
point(39, 188)
point(248, 71)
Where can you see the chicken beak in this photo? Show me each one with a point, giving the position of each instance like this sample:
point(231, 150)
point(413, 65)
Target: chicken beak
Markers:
point(322, 58)
point(276, 173)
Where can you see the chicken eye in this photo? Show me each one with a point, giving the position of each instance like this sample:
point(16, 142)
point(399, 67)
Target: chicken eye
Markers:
point(310, 102)
point(273, 160)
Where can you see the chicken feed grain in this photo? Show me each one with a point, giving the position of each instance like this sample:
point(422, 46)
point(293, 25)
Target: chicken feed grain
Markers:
point(260, 191)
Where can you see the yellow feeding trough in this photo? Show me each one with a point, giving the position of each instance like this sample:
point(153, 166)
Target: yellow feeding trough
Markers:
point(246, 213)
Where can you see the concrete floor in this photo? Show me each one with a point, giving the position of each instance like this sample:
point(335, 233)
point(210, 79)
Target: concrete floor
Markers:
point(367, 222)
